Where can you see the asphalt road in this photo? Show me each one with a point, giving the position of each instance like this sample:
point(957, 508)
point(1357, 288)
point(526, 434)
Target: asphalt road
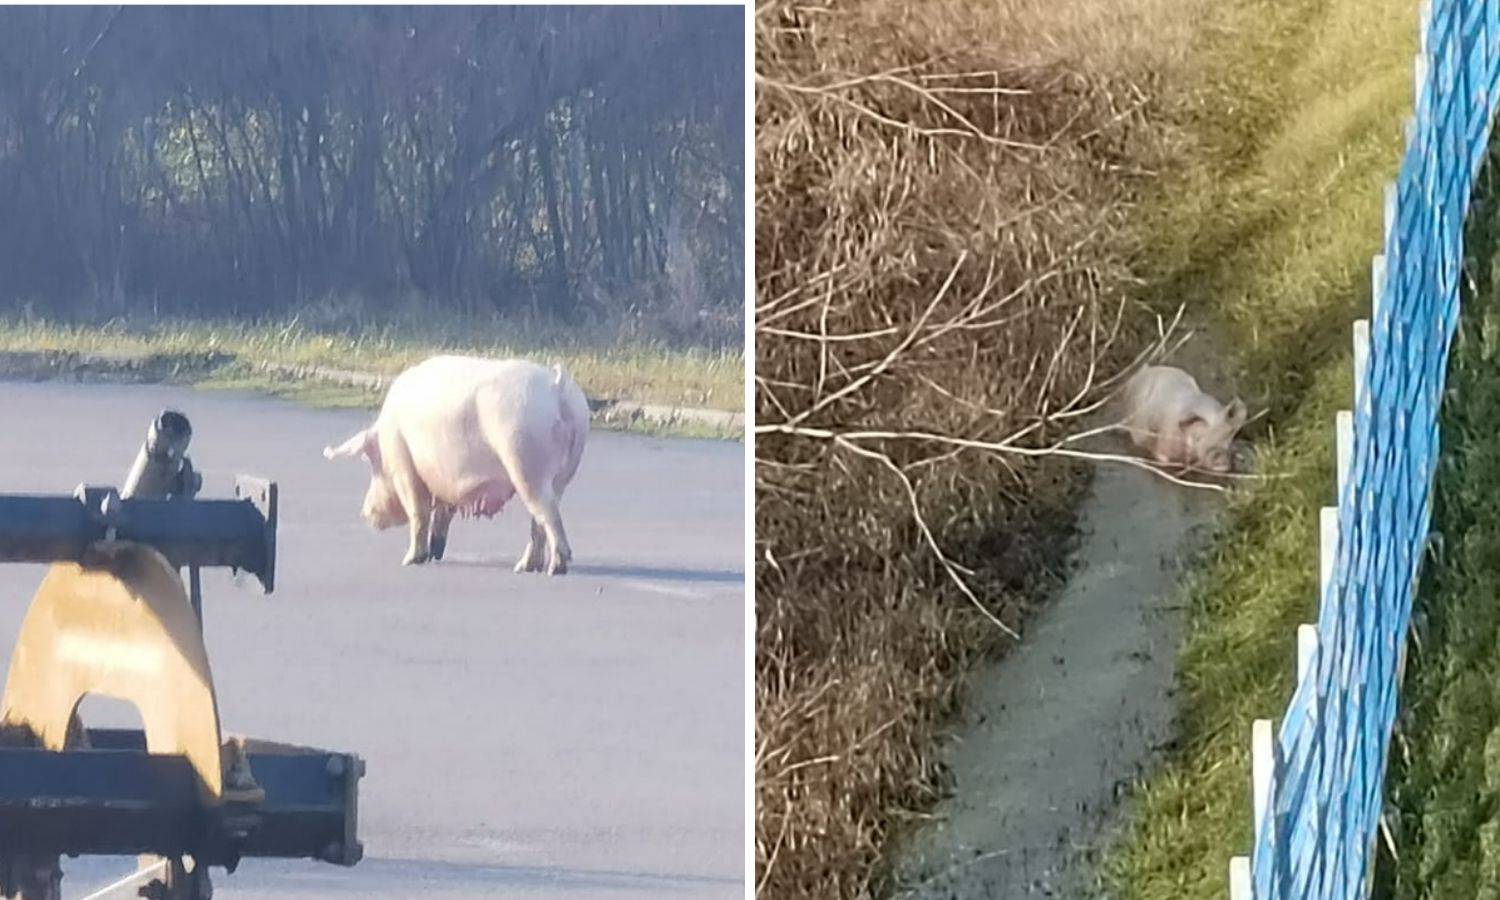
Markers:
point(579, 736)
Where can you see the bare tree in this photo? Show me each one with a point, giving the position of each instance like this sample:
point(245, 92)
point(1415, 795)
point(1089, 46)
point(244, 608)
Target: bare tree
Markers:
point(250, 160)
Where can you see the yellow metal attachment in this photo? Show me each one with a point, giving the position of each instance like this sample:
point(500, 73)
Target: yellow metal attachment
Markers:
point(121, 627)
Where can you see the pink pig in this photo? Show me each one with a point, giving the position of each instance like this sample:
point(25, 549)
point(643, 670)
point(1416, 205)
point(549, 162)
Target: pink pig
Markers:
point(1172, 419)
point(463, 435)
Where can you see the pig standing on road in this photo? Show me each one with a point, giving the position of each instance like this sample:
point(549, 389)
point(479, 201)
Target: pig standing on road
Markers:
point(1173, 420)
point(463, 435)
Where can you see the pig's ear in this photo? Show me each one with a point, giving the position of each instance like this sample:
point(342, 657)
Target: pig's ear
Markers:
point(1234, 416)
point(362, 444)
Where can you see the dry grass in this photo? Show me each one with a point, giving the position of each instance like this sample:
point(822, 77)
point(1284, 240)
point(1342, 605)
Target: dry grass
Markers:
point(944, 254)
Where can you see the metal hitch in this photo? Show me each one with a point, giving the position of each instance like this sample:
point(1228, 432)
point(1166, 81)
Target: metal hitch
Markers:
point(238, 533)
point(113, 617)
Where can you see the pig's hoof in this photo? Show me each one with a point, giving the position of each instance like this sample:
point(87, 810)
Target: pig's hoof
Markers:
point(527, 564)
point(557, 565)
point(415, 559)
point(438, 546)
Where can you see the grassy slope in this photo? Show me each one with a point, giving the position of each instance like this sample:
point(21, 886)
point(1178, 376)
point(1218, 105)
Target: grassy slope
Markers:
point(604, 368)
point(1445, 771)
point(1270, 233)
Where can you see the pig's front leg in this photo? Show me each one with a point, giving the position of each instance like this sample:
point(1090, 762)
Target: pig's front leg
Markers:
point(442, 517)
point(418, 551)
point(418, 504)
point(1168, 451)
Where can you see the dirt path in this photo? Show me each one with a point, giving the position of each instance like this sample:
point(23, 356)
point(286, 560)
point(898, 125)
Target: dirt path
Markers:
point(1057, 729)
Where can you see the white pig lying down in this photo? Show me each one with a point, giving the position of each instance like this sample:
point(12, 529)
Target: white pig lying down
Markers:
point(463, 435)
point(1169, 417)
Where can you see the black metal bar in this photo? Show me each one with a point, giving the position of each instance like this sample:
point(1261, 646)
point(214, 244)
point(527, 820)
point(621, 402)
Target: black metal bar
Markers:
point(195, 593)
point(81, 802)
point(117, 799)
point(266, 498)
point(311, 807)
point(187, 532)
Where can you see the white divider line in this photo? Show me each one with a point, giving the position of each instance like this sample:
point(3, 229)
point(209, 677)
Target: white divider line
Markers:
point(130, 885)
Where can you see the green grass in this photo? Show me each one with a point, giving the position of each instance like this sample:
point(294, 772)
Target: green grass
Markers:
point(310, 392)
point(1267, 236)
point(603, 366)
point(1445, 765)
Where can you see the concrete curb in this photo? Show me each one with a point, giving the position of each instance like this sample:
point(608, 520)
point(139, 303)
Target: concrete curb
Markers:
point(624, 411)
point(41, 365)
point(342, 377)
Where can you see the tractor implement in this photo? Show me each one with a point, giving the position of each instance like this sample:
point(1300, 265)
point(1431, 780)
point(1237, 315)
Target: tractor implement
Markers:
point(113, 617)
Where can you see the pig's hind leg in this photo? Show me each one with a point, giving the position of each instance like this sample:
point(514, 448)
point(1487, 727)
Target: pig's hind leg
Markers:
point(559, 553)
point(532, 471)
point(545, 518)
point(547, 535)
point(536, 549)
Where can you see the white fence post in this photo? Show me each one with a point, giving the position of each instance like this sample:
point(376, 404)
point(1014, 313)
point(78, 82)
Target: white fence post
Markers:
point(1262, 769)
point(1377, 262)
point(1343, 438)
point(1328, 547)
point(1424, 27)
point(1361, 364)
point(1239, 879)
point(1307, 648)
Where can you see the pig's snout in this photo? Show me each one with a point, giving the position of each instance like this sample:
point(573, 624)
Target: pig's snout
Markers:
point(382, 509)
point(1219, 461)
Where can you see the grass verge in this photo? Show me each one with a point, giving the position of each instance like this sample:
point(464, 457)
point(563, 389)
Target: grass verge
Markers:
point(1270, 234)
point(652, 373)
point(326, 395)
point(1444, 779)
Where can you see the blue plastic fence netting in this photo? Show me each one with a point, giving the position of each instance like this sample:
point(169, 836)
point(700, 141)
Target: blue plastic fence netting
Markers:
point(1318, 780)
